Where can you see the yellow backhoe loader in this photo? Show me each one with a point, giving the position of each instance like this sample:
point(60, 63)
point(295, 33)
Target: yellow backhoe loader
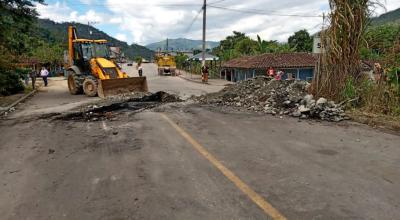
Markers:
point(91, 71)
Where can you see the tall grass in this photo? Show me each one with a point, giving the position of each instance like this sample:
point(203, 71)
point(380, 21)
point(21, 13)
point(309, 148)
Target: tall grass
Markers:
point(342, 40)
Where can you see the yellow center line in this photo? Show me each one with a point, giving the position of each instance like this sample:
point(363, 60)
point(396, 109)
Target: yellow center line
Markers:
point(255, 197)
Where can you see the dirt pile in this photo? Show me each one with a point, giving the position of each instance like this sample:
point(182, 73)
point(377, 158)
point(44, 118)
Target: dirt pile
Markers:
point(108, 109)
point(263, 94)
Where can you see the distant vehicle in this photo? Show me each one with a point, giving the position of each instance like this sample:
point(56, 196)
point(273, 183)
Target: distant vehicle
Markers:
point(130, 64)
point(166, 64)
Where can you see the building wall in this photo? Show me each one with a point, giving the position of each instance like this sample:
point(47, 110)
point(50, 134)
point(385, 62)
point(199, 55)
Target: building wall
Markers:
point(239, 74)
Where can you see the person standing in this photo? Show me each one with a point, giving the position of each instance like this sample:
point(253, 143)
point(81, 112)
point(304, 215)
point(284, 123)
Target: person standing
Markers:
point(140, 70)
point(44, 73)
point(32, 74)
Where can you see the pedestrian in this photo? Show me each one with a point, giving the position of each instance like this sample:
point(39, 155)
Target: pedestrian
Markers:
point(270, 72)
point(279, 75)
point(26, 77)
point(140, 70)
point(44, 73)
point(32, 74)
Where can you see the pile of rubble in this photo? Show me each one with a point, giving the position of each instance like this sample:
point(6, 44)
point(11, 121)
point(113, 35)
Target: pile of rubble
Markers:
point(263, 94)
point(109, 108)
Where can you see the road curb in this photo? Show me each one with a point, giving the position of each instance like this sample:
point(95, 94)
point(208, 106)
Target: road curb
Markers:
point(23, 98)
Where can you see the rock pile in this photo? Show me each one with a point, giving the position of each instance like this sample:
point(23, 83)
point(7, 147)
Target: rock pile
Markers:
point(262, 94)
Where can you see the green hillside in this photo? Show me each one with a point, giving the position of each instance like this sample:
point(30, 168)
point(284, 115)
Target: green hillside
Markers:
point(389, 17)
point(181, 44)
point(58, 32)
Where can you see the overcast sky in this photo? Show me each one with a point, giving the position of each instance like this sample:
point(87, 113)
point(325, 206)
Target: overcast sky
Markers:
point(148, 21)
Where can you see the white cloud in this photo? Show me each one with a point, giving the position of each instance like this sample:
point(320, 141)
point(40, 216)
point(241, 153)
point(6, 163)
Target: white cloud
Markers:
point(61, 12)
point(121, 37)
point(149, 21)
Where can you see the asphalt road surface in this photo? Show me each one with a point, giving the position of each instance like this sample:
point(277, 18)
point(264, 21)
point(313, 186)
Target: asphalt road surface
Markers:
point(185, 161)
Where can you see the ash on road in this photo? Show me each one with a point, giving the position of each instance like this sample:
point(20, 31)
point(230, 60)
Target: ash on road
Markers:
point(138, 166)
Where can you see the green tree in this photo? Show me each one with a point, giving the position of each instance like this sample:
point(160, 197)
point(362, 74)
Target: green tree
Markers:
point(16, 20)
point(180, 60)
point(226, 49)
point(246, 46)
point(301, 40)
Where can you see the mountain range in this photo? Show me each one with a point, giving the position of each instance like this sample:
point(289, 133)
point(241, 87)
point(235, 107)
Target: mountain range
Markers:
point(58, 32)
point(389, 17)
point(181, 44)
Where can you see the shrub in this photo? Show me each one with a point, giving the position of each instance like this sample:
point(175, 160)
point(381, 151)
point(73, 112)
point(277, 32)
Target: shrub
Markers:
point(10, 81)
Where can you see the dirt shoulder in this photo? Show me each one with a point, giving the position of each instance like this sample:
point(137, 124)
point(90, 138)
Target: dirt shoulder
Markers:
point(385, 122)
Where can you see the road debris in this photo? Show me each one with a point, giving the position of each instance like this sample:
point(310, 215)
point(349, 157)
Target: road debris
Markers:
point(107, 109)
point(276, 97)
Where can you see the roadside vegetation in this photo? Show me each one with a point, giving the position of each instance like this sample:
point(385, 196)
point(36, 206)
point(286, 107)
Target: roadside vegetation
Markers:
point(20, 43)
point(348, 39)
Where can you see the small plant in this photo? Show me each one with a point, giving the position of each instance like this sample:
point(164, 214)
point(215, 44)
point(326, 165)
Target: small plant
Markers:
point(350, 91)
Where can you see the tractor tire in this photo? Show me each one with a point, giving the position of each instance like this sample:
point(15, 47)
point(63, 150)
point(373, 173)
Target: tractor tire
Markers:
point(90, 86)
point(74, 84)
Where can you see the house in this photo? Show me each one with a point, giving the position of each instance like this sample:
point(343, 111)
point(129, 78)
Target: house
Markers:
point(299, 66)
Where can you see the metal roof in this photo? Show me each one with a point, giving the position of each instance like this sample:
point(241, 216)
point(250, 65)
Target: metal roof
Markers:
point(198, 56)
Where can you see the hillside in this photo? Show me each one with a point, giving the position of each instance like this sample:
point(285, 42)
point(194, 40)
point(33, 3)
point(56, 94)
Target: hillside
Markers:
point(182, 44)
point(389, 17)
point(58, 32)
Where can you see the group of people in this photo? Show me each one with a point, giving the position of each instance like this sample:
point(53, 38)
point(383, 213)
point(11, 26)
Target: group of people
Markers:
point(44, 73)
point(276, 75)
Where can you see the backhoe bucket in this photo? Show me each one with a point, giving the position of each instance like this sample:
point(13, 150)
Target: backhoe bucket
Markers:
point(110, 87)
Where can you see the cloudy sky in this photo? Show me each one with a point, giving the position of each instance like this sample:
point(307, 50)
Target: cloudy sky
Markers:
point(149, 21)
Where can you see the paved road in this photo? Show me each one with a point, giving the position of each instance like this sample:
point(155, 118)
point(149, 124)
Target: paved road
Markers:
point(184, 161)
point(55, 98)
point(170, 84)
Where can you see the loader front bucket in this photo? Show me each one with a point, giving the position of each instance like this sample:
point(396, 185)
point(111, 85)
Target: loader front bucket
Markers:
point(110, 87)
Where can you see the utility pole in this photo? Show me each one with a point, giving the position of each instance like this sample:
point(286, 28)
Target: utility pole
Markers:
point(203, 55)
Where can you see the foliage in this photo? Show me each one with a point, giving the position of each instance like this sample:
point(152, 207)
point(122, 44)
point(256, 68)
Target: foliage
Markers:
point(48, 53)
point(382, 43)
point(180, 60)
point(10, 81)
point(393, 78)
point(16, 20)
point(239, 44)
point(139, 60)
point(342, 40)
point(301, 40)
point(245, 46)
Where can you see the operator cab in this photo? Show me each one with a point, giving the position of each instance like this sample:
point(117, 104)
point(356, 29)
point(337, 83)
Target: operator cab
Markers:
point(85, 50)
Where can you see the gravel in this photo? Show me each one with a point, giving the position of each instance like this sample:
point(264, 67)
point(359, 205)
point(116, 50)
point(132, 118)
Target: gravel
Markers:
point(263, 94)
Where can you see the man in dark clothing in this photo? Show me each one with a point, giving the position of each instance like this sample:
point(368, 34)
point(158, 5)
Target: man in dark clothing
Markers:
point(32, 74)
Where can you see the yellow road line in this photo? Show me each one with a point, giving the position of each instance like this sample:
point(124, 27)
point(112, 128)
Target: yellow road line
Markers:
point(255, 197)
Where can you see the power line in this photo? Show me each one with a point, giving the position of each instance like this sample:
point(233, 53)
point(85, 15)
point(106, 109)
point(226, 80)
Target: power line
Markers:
point(260, 12)
point(194, 20)
point(127, 4)
point(216, 2)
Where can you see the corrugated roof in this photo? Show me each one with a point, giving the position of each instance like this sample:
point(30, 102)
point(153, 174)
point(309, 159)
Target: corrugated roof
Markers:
point(274, 60)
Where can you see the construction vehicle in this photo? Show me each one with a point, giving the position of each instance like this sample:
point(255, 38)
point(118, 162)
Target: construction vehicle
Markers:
point(91, 71)
point(166, 64)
